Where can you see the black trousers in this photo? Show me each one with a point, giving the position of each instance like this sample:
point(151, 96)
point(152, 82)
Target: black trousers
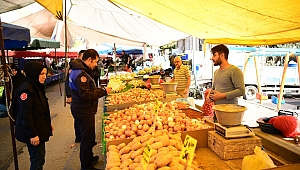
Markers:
point(37, 156)
point(87, 132)
point(77, 130)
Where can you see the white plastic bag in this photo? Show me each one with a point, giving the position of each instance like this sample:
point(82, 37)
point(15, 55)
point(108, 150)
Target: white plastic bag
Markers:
point(260, 160)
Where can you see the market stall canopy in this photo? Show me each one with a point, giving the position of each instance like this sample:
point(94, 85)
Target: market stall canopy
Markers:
point(43, 43)
point(108, 18)
point(7, 6)
point(43, 24)
point(15, 36)
point(253, 22)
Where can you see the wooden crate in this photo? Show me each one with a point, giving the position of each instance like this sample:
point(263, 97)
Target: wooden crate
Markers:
point(232, 148)
point(193, 113)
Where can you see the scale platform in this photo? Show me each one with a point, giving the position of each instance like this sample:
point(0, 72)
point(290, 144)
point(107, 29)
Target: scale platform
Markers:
point(156, 86)
point(170, 95)
point(239, 131)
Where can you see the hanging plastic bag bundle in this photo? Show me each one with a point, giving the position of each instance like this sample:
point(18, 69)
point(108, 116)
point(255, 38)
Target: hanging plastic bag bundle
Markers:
point(259, 160)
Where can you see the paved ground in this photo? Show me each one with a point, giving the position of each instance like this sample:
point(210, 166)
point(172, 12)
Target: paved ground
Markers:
point(59, 155)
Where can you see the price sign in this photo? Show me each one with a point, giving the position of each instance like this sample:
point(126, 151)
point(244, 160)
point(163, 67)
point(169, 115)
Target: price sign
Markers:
point(188, 150)
point(156, 107)
point(146, 156)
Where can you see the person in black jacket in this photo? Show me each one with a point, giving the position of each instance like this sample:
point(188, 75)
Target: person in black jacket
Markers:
point(33, 121)
point(84, 104)
point(69, 99)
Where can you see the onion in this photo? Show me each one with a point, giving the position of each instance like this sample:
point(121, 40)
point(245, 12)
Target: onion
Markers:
point(171, 124)
point(170, 119)
point(137, 122)
point(134, 128)
point(124, 127)
point(166, 127)
point(145, 127)
point(107, 135)
point(140, 132)
point(149, 122)
point(177, 128)
point(122, 136)
point(115, 133)
point(140, 127)
point(147, 117)
point(119, 133)
point(106, 128)
point(134, 118)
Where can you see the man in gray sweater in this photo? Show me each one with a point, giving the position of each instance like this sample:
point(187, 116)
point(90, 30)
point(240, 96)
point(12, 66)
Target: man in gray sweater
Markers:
point(228, 81)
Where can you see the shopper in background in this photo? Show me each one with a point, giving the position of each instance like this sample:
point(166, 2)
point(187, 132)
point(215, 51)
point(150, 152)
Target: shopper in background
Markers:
point(17, 78)
point(69, 97)
point(84, 104)
point(228, 81)
point(33, 121)
point(182, 77)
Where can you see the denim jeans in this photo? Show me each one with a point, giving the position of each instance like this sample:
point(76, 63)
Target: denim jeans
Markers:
point(37, 156)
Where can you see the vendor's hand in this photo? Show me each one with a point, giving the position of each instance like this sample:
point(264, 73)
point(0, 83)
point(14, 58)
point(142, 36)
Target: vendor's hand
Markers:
point(52, 128)
point(69, 100)
point(215, 95)
point(35, 141)
point(108, 89)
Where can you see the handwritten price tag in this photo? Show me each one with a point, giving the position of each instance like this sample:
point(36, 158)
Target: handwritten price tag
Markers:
point(146, 156)
point(188, 150)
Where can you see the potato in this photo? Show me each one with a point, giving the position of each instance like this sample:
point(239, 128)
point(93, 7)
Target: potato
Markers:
point(157, 145)
point(115, 168)
point(111, 165)
point(154, 152)
point(172, 148)
point(174, 162)
point(124, 150)
point(163, 160)
point(137, 153)
point(174, 153)
point(133, 166)
point(126, 168)
point(112, 147)
point(120, 146)
point(112, 160)
point(145, 138)
point(150, 141)
point(163, 149)
point(138, 168)
point(136, 146)
point(157, 133)
point(152, 166)
point(175, 137)
point(125, 156)
point(164, 168)
point(126, 163)
point(179, 146)
point(138, 159)
point(173, 142)
point(153, 158)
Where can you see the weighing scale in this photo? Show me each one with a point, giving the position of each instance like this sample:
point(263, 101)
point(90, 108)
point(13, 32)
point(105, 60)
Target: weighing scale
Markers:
point(155, 86)
point(171, 94)
point(239, 131)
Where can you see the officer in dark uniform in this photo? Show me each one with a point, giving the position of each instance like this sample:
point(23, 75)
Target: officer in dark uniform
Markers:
point(84, 104)
point(33, 121)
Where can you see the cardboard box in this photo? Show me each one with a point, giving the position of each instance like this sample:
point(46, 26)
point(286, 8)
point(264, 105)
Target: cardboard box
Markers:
point(232, 148)
point(200, 135)
point(261, 96)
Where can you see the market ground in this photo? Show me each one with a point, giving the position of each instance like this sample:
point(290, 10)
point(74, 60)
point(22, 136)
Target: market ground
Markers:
point(59, 154)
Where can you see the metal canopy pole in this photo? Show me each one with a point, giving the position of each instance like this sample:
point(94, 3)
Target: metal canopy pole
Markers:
point(7, 87)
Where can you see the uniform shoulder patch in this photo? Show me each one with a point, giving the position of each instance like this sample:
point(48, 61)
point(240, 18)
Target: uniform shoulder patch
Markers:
point(83, 79)
point(23, 96)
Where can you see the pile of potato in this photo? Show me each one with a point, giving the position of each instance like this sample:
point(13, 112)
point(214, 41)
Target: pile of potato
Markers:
point(166, 149)
point(133, 95)
point(138, 119)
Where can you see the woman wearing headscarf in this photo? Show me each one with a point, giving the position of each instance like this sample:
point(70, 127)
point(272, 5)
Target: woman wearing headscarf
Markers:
point(33, 122)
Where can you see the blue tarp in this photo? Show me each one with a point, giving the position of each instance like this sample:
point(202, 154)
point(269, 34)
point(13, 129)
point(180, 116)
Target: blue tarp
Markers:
point(15, 36)
point(130, 51)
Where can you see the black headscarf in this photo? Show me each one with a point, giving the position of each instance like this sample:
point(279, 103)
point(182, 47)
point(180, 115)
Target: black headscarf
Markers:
point(33, 70)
